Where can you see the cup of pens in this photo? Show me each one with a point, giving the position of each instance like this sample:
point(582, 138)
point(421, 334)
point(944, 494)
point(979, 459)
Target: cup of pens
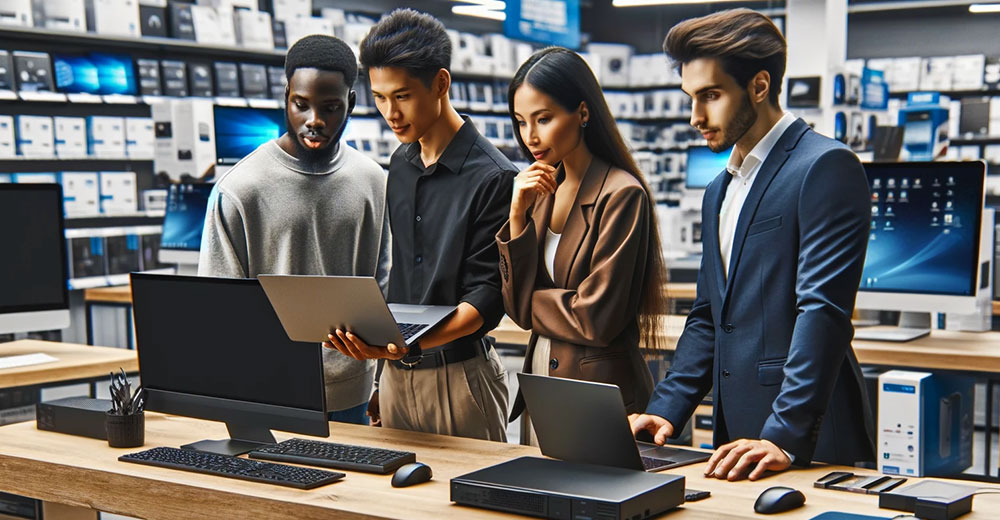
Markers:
point(125, 422)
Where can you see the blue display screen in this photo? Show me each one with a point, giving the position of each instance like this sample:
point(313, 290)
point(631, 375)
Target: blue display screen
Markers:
point(75, 75)
point(239, 130)
point(95, 74)
point(925, 227)
point(703, 165)
point(185, 218)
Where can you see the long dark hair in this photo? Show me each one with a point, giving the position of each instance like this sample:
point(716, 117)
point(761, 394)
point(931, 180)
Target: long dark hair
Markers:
point(563, 75)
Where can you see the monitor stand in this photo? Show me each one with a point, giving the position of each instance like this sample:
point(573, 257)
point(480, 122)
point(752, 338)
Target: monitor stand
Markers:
point(912, 325)
point(243, 438)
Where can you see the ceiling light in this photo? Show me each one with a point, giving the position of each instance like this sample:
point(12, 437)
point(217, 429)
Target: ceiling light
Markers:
point(639, 3)
point(481, 11)
point(984, 8)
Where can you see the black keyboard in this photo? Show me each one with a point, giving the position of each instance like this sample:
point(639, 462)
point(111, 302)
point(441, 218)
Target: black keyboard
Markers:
point(650, 464)
point(234, 467)
point(409, 329)
point(340, 456)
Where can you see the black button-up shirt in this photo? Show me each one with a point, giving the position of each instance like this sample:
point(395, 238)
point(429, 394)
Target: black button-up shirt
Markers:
point(444, 220)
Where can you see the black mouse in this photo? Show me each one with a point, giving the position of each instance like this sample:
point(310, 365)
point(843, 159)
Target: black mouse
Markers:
point(778, 499)
point(410, 474)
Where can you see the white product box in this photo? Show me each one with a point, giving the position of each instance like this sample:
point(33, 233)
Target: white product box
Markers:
point(905, 74)
point(17, 12)
point(118, 193)
point(8, 146)
point(290, 9)
point(70, 136)
point(522, 51)
point(106, 136)
point(337, 17)
point(34, 136)
point(81, 194)
point(501, 49)
point(139, 137)
point(615, 59)
point(34, 178)
point(354, 32)
point(184, 137)
point(253, 29)
point(967, 72)
point(213, 26)
point(63, 15)
point(230, 4)
point(936, 73)
point(4, 178)
point(114, 17)
point(594, 62)
point(297, 28)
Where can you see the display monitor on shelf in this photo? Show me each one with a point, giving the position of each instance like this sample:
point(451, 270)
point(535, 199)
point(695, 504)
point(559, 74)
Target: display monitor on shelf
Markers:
point(703, 165)
point(75, 74)
point(33, 270)
point(924, 251)
point(115, 73)
point(240, 130)
point(213, 348)
point(183, 223)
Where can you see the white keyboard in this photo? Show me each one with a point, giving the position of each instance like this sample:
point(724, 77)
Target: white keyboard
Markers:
point(24, 360)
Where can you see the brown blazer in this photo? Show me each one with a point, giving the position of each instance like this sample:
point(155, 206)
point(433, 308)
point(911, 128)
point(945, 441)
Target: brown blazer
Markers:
point(590, 311)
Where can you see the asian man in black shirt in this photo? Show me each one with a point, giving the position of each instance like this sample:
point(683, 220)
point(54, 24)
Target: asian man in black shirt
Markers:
point(448, 194)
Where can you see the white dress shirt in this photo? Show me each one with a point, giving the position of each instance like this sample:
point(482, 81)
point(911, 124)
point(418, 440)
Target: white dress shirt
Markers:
point(743, 175)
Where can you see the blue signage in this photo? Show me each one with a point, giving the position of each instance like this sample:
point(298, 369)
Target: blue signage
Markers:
point(551, 22)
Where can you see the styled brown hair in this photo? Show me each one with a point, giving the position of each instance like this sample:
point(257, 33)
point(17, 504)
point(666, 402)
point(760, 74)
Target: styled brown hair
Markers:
point(563, 75)
point(745, 42)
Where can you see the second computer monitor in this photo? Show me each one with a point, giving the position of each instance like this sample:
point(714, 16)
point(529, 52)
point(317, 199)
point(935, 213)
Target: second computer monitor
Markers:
point(183, 223)
point(240, 130)
point(924, 242)
point(703, 165)
point(213, 348)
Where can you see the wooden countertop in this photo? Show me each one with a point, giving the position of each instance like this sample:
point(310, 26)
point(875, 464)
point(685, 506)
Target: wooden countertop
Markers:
point(75, 362)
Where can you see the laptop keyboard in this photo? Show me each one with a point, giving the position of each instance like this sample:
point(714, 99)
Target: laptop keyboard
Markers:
point(649, 463)
point(409, 329)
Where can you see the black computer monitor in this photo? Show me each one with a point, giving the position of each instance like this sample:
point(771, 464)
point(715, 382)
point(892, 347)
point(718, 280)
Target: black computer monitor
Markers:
point(703, 165)
point(183, 223)
point(33, 260)
point(213, 348)
point(240, 130)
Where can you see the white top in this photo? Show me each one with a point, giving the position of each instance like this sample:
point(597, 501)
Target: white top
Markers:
point(551, 244)
point(742, 179)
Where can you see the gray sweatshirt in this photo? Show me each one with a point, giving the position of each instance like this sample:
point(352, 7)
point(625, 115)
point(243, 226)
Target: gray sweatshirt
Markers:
point(272, 214)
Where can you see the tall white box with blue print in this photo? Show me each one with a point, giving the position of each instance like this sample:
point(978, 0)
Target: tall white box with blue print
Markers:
point(925, 423)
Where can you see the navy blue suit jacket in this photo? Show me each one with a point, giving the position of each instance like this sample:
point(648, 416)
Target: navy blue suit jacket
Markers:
point(773, 338)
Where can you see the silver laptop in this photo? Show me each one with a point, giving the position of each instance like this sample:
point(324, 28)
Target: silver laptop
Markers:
point(310, 307)
point(581, 421)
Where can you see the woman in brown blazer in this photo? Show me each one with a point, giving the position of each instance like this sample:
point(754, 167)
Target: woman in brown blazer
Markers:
point(580, 256)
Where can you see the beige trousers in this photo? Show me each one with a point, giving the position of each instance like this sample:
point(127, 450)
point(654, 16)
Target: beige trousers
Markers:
point(465, 399)
point(539, 366)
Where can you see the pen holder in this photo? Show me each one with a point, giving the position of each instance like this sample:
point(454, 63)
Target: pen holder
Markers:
point(125, 431)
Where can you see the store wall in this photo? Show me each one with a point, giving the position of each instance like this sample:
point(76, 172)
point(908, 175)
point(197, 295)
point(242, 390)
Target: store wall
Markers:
point(922, 32)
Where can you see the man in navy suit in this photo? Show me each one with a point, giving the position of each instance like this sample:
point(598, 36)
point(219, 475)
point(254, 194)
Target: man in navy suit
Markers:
point(786, 230)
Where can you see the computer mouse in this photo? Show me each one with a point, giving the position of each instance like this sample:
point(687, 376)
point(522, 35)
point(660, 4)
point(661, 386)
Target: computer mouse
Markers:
point(778, 499)
point(410, 474)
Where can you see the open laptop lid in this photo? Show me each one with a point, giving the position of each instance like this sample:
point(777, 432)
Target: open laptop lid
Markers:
point(309, 307)
point(580, 421)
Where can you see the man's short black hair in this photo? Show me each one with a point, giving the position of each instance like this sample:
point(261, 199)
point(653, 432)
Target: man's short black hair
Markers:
point(319, 51)
point(408, 39)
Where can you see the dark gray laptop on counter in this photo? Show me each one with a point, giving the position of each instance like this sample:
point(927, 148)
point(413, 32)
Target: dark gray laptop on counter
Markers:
point(582, 421)
point(310, 307)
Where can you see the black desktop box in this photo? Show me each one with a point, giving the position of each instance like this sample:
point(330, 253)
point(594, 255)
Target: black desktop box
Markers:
point(253, 79)
point(227, 79)
point(557, 489)
point(149, 77)
point(278, 31)
point(6, 71)
point(174, 76)
point(199, 79)
point(181, 21)
point(82, 416)
point(153, 20)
